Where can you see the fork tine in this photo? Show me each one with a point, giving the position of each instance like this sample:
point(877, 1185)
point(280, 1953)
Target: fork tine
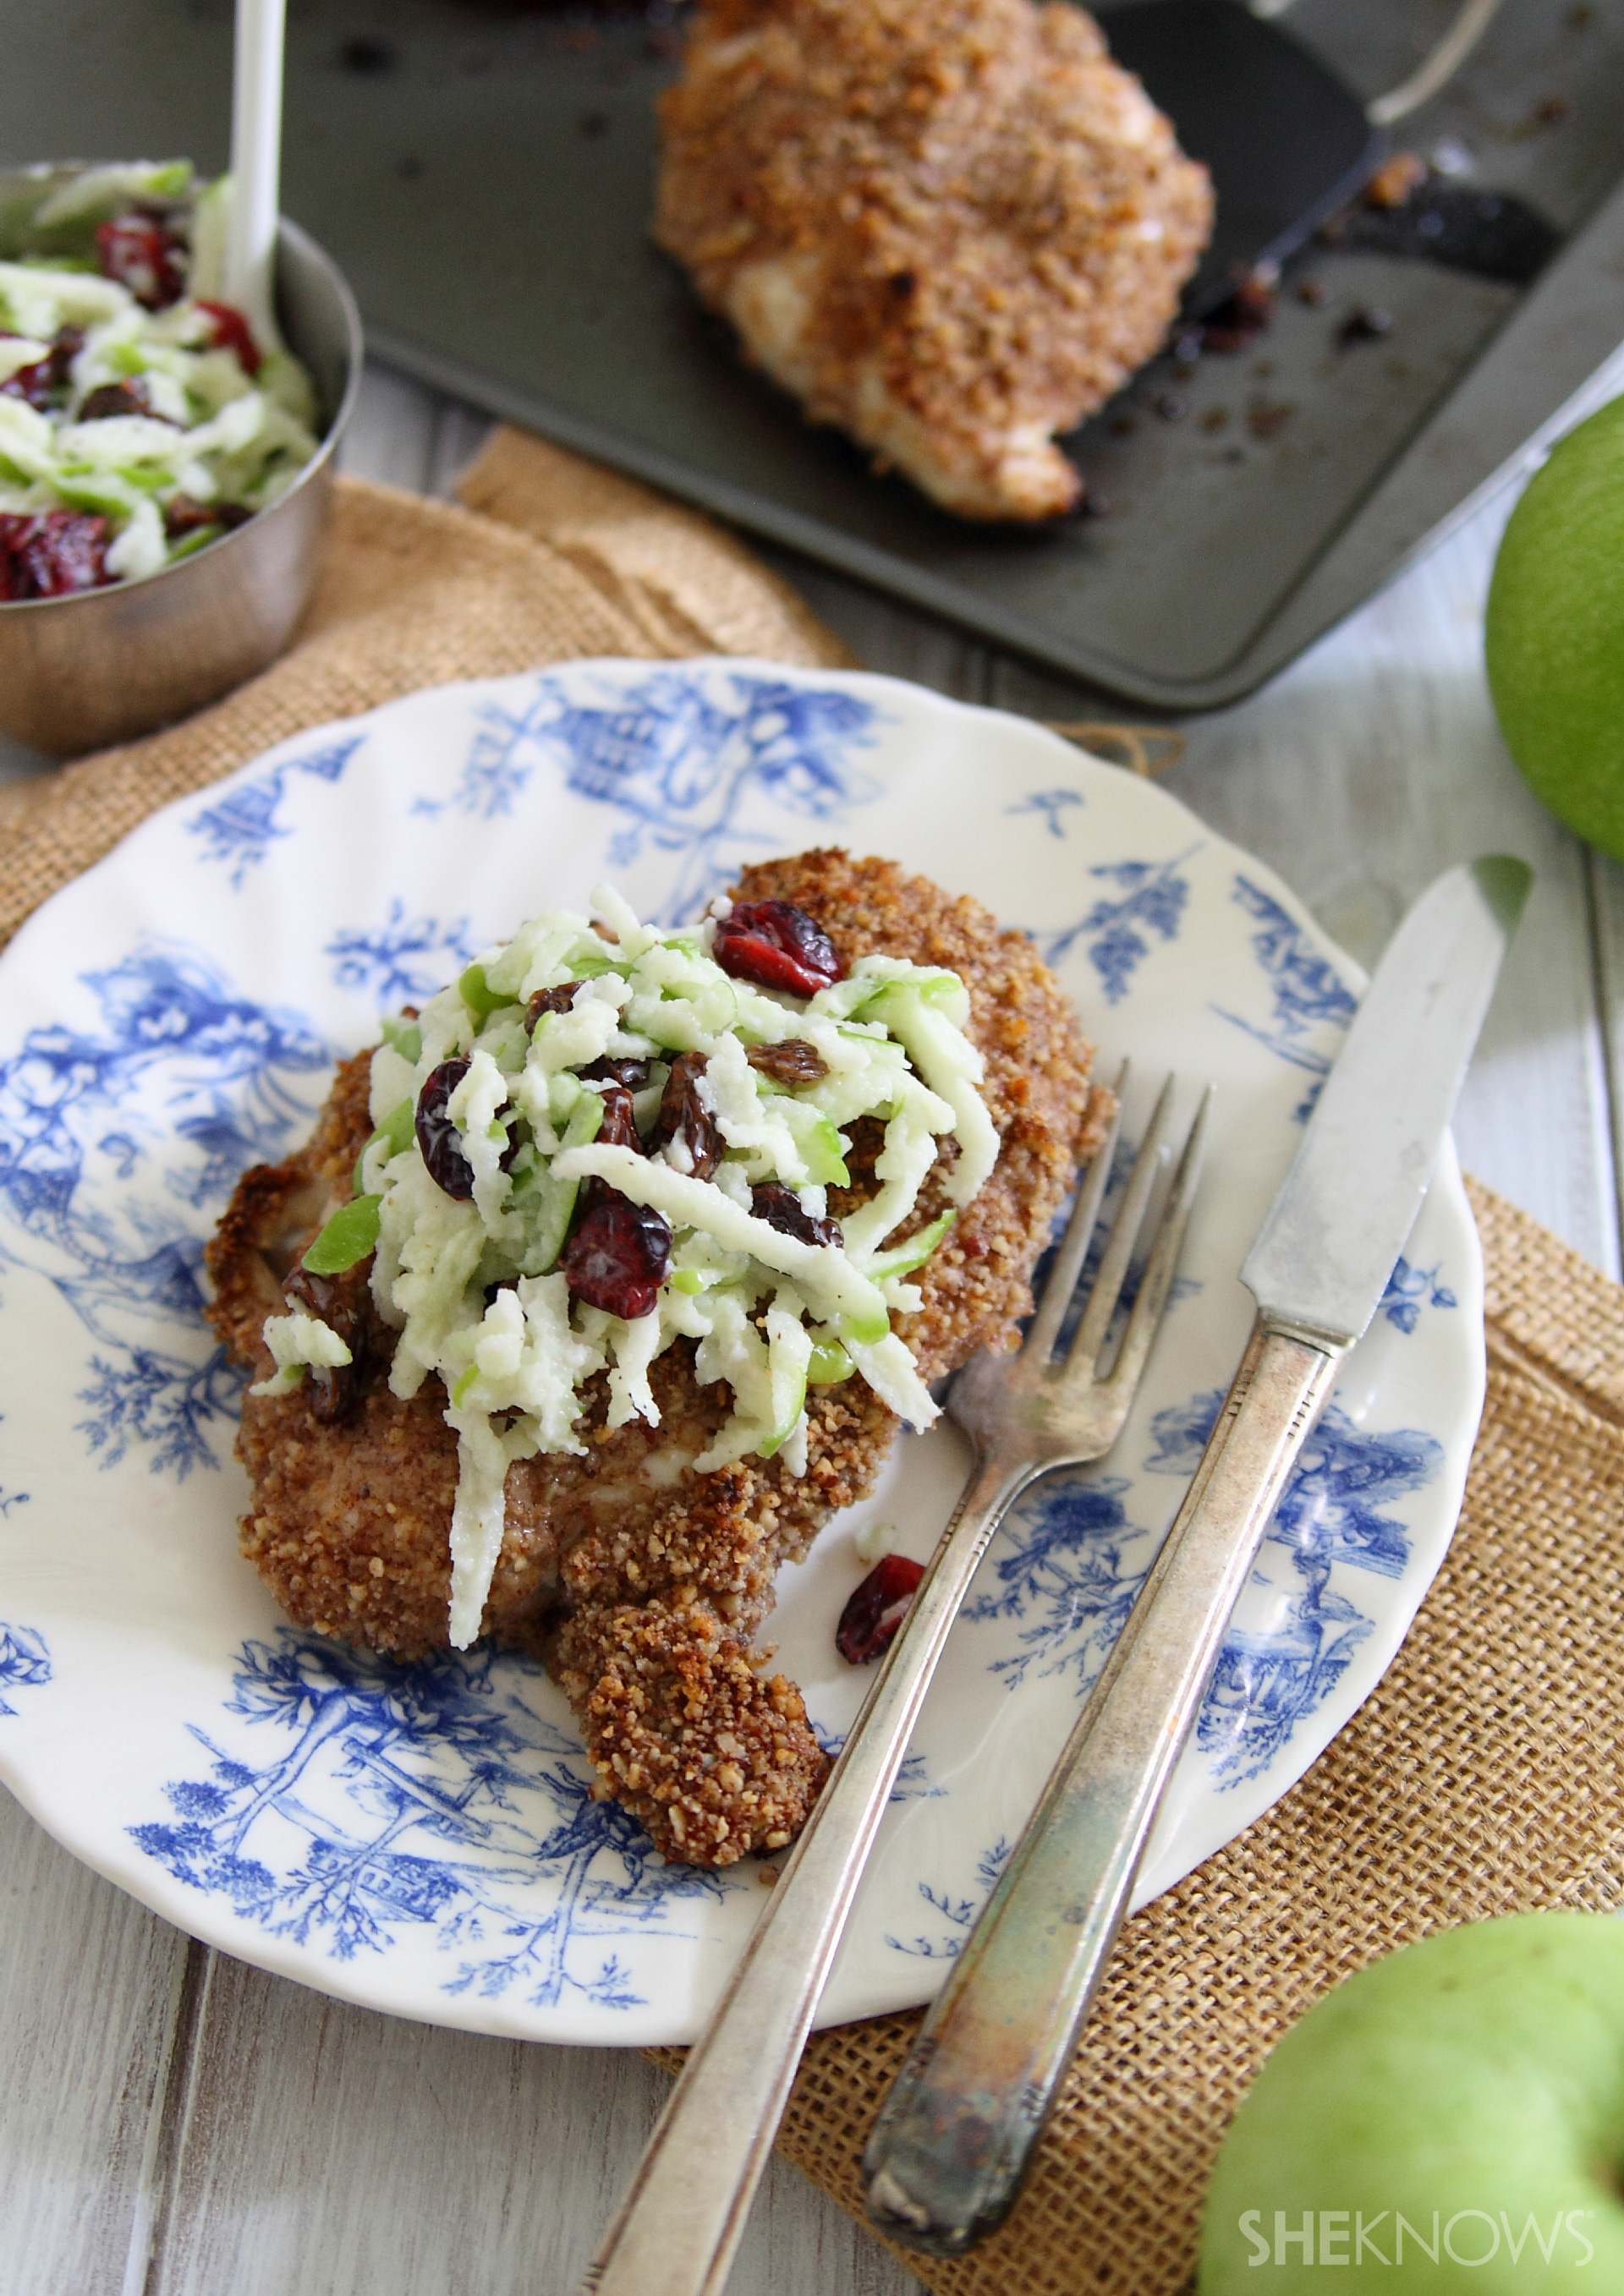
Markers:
point(1045, 1327)
point(1163, 1258)
point(1124, 1233)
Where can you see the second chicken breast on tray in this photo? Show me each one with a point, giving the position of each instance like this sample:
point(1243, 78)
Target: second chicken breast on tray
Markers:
point(952, 231)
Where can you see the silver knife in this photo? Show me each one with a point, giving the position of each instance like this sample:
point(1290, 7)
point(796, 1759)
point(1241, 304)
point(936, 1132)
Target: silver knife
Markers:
point(955, 2136)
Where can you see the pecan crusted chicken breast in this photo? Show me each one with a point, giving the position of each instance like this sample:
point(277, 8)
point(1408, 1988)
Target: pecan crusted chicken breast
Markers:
point(952, 231)
point(639, 1578)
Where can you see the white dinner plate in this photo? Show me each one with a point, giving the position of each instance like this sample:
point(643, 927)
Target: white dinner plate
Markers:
point(423, 1839)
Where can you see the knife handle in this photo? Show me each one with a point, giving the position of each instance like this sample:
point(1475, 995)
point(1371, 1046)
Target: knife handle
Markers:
point(956, 2136)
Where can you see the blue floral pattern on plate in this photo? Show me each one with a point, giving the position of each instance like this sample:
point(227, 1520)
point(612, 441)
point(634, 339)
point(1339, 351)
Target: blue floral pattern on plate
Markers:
point(402, 961)
point(1050, 806)
point(456, 1801)
point(120, 1144)
point(706, 777)
point(426, 1839)
point(1333, 1513)
point(25, 1661)
point(1408, 1291)
point(239, 829)
point(1307, 990)
point(1117, 933)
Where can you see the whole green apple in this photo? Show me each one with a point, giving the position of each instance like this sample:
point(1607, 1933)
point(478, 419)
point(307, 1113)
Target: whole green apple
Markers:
point(1553, 639)
point(1450, 2119)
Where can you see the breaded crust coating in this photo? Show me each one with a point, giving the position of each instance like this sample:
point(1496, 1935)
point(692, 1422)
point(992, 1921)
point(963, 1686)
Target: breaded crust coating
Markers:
point(953, 230)
point(641, 1583)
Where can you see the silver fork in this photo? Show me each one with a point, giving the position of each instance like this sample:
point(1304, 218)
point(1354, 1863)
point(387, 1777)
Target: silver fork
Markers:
point(683, 2216)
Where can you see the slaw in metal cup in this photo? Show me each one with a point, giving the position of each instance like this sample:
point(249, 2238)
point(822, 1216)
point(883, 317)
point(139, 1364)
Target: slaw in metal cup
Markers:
point(105, 665)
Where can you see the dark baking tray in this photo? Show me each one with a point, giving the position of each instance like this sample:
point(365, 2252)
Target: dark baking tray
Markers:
point(483, 174)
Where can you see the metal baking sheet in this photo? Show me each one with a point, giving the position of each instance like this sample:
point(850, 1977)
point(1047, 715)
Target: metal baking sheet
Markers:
point(482, 172)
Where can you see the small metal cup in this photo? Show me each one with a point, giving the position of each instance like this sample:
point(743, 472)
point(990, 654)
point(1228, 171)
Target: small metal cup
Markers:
point(101, 666)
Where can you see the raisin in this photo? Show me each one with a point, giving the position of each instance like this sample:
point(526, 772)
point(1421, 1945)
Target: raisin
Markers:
point(793, 1062)
point(141, 252)
point(110, 399)
point(780, 1207)
point(683, 1116)
point(618, 1128)
point(50, 553)
point(436, 1136)
point(776, 945)
point(344, 1304)
point(877, 1608)
point(549, 1000)
point(231, 332)
point(618, 1258)
point(183, 516)
point(47, 379)
point(633, 1074)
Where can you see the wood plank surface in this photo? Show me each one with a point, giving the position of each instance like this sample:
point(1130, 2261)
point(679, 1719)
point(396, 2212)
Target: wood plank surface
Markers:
point(178, 2124)
point(90, 1998)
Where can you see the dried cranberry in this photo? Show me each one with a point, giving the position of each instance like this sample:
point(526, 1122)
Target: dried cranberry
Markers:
point(793, 1062)
point(550, 1000)
point(780, 1207)
point(231, 333)
point(50, 553)
point(47, 379)
point(633, 1074)
point(776, 945)
point(618, 1258)
point(683, 1116)
point(65, 347)
point(344, 1304)
point(141, 252)
point(438, 1138)
point(871, 1618)
point(110, 399)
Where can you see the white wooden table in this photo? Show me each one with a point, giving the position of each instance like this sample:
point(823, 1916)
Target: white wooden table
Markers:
point(173, 2123)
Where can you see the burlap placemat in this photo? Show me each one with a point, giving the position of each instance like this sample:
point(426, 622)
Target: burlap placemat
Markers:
point(1483, 1776)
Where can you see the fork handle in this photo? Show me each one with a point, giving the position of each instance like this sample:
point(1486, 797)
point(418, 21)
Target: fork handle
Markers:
point(956, 2136)
point(683, 2216)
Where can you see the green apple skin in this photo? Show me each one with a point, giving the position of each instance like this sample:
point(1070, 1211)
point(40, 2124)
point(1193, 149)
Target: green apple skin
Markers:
point(1480, 2069)
point(1554, 638)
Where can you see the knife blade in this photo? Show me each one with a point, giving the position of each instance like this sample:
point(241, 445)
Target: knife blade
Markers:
point(1323, 1257)
point(955, 2136)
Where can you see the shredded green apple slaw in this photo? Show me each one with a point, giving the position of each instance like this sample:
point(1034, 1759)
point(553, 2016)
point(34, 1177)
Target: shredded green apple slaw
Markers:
point(474, 1288)
point(214, 437)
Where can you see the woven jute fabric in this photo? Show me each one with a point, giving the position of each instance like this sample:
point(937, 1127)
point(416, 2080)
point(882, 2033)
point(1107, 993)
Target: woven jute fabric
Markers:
point(1481, 1777)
